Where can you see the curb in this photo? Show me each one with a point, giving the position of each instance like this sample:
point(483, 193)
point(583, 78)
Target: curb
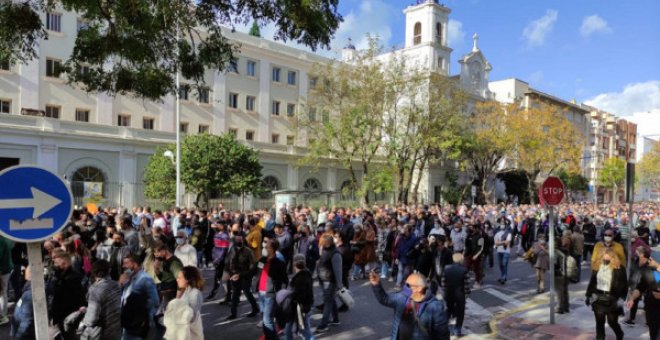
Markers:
point(495, 320)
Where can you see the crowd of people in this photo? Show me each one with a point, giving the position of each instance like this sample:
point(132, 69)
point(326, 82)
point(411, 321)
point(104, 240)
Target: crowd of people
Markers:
point(138, 274)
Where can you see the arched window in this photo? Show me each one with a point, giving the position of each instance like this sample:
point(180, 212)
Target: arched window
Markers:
point(348, 189)
point(269, 184)
point(88, 184)
point(417, 33)
point(312, 185)
point(88, 174)
point(438, 33)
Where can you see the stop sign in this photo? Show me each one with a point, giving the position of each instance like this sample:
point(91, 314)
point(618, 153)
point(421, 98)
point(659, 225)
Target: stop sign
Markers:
point(552, 191)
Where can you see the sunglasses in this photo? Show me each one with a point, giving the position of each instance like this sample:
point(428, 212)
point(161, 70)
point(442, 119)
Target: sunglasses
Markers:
point(411, 286)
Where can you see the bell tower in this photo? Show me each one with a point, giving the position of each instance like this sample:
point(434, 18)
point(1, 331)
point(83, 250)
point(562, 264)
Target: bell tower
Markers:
point(426, 32)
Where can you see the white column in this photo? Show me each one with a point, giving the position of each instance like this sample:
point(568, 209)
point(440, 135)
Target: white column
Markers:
point(127, 178)
point(292, 177)
point(331, 179)
point(104, 106)
point(29, 86)
point(265, 128)
point(218, 102)
point(47, 155)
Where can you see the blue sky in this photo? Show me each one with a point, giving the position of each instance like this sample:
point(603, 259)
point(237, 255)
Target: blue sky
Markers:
point(605, 53)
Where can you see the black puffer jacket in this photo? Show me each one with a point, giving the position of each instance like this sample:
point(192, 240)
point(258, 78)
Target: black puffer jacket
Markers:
point(303, 290)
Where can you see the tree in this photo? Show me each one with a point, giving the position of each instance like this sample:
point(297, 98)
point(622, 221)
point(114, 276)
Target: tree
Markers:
point(544, 142)
point(612, 175)
point(649, 167)
point(349, 99)
point(254, 30)
point(158, 176)
point(486, 143)
point(137, 46)
point(573, 180)
point(209, 164)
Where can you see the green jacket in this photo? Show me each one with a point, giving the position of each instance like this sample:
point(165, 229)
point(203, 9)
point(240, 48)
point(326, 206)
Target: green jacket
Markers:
point(6, 263)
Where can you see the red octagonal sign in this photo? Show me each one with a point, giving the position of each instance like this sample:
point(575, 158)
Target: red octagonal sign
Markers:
point(552, 191)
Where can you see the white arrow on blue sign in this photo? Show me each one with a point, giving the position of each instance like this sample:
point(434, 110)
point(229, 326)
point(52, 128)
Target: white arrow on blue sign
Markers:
point(34, 203)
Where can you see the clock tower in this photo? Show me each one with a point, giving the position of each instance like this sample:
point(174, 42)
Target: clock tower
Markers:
point(426, 34)
point(475, 70)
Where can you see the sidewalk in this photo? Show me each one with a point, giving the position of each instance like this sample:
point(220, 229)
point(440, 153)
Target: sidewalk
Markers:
point(532, 321)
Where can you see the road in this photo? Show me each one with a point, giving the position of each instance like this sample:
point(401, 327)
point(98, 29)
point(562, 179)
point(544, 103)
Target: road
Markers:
point(370, 320)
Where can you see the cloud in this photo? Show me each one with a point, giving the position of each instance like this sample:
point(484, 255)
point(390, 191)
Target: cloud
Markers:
point(637, 97)
point(455, 33)
point(594, 24)
point(536, 31)
point(370, 17)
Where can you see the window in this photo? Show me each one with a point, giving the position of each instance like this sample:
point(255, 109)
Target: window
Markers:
point(312, 114)
point(249, 135)
point(276, 108)
point(233, 133)
point(52, 111)
point(441, 63)
point(276, 74)
point(417, 34)
point(4, 64)
point(82, 115)
point(290, 110)
point(5, 106)
point(249, 103)
point(233, 66)
point(203, 94)
point(123, 120)
point(275, 138)
point(312, 185)
point(438, 33)
point(291, 78)
point(54, 22)
point(233, 100)
point(184, 89)
point(53, 68)
point(289, 140)
point(183, 127)
point(270, 183)
point(251, 68)
point(203, 128)
point(148, 123)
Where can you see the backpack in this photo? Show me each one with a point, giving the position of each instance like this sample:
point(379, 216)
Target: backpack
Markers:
point(571, 269)
point(284, 306)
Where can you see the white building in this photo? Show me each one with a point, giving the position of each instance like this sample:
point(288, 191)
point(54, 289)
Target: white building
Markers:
point(96, 138)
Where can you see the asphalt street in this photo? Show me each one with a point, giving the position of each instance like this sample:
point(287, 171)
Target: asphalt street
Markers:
point(370, 320)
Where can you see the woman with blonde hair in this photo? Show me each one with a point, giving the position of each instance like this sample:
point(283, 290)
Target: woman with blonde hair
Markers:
point(608, 285)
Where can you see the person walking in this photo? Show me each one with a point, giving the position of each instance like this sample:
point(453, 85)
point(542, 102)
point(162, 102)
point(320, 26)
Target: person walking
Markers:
point(608, 284)
point(474, 248)
point(503, 239)
point(404, 245)
point(184, 251)
point(220, 251)
point(542, 263)
point(329, 272)
point(23, 321)
point(607, 243)
point(183, 317)
point(102, 315)
point(167, 267)
point(240, 278)
point(68, 294)
point(6, 267)
point(302, 298)
point(139, 300)
point(648, 287)
point(577, 248)
point(456, 284)
point(271, 276)
point(418, 314)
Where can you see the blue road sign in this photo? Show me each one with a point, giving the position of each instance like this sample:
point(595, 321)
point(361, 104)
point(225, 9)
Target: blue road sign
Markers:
point(34, 203)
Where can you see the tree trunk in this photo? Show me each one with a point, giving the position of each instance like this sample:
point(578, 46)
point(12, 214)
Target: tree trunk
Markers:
point(367, 187)
point(415, 197)
point(402, 189)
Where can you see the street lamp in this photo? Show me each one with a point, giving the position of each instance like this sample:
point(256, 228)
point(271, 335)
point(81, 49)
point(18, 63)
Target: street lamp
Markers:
point(169, 154)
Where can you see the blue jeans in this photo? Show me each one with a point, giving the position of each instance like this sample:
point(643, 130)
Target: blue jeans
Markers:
point(503, 259)
point(578, 260)
point(306, 333)
point(384, 268)
point(200, 259)
point(266, 304)
point(404, 271)
point(329, 304)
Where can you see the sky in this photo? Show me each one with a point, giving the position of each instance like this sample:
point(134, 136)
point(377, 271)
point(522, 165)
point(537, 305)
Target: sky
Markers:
point(603, 53)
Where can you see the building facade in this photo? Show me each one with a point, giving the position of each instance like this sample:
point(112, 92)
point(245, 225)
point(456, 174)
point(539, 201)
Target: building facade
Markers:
point(93, 139)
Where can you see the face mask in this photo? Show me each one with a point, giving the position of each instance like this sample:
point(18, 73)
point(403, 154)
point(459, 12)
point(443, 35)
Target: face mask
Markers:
point(542, 242)
point(264, 252)
point(608, 238)
point(180, 241)
point(160, 258)
point(128, 272)
point(116, 244)
point(606, 262)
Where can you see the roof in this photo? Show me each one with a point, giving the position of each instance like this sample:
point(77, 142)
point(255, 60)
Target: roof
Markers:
point(558, 100)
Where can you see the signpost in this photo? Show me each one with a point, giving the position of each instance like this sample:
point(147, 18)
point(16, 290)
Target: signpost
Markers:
point(551, 193)
point(34, 204)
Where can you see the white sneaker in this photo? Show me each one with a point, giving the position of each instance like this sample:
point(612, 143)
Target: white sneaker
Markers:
point(382, 277)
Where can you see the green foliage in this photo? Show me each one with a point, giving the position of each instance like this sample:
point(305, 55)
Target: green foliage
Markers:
point(648, 168)
point(573, 181)
point(159, 177)
point(128, 45)
point(613, 173)
point(254, 30)
point(454, 193)
point(516, 183)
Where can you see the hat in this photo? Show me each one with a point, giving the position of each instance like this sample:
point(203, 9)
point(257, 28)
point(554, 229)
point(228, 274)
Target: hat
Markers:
point(299, 258)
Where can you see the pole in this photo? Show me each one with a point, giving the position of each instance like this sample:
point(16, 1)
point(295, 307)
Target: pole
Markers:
point(40, 308)
point(178, 127)
point(630, 193)
point(552, 264)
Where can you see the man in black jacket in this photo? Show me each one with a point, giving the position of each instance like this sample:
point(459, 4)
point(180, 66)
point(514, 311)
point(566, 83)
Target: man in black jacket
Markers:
point(303, 298)
point(589, 231)
point(455, 281)
point(240, 270)
point(329, 273)
point(67, 291)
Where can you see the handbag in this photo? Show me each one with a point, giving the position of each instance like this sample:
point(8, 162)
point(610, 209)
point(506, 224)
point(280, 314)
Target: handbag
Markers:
point(346, 297)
